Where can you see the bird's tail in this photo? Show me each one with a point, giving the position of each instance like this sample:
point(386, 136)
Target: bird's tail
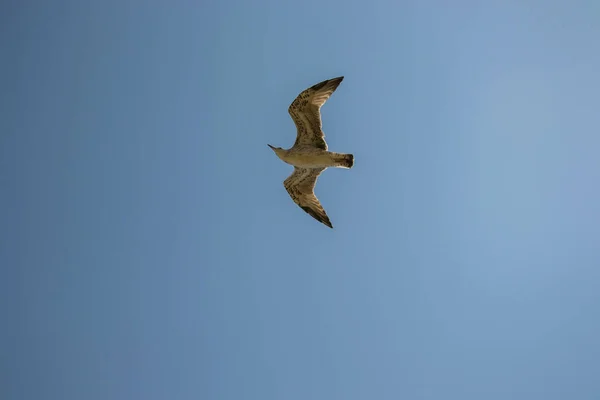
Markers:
point(343, 160)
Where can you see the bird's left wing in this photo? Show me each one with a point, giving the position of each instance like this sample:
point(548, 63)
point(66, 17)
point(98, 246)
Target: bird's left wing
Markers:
point(305, 110)
point(301, 185)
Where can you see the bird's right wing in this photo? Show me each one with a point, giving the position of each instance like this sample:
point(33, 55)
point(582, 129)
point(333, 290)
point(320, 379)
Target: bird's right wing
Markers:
point(301, 185)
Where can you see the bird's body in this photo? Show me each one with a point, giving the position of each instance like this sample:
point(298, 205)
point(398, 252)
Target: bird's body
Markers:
point(309, 155)
point(313, 158)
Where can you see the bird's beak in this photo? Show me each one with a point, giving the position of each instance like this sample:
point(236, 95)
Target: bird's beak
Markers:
point(272, 148)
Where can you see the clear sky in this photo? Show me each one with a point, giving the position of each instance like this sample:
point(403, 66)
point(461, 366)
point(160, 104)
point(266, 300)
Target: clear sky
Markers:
point(149, 250)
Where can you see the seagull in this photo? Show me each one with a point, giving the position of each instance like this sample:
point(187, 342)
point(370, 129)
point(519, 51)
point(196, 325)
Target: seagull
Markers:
point(309, 155)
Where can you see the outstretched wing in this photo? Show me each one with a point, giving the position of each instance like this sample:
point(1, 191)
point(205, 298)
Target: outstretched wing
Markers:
point(305, 110)
point(301, 185)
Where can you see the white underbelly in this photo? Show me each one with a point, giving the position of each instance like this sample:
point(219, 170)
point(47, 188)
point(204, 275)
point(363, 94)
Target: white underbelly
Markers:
point(319, 160)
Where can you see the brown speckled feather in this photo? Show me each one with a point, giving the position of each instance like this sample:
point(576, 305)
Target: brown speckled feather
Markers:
point(301, 185)
point(305, 110)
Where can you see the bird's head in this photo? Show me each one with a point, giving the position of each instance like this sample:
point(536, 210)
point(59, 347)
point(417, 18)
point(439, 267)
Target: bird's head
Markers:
point(277, 150)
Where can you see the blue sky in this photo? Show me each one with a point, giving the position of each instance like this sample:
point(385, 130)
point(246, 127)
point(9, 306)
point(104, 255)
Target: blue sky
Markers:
point(150, 251)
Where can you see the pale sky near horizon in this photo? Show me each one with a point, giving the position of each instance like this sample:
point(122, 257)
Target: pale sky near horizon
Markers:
point(150, 251)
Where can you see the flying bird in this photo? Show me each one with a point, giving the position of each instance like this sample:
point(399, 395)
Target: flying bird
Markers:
point(309, 154)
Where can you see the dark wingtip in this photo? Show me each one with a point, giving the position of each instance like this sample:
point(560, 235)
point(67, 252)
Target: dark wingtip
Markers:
point(337, 81)
point(333, 82)
point(325, 221)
